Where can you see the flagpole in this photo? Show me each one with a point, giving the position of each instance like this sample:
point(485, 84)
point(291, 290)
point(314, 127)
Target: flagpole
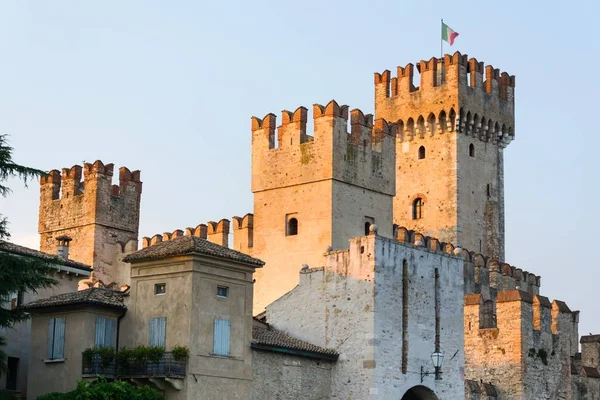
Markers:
point(442, 43)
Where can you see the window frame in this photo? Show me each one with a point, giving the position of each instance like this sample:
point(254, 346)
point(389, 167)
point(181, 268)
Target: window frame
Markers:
point(55, 350)
point(417, 208)
point(226, 296)
point(221, 337)
point(156, 289)
point(108, 328)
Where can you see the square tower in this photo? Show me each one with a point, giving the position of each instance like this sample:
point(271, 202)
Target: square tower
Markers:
point(94, 213)
point(451, 133)
point(316, 192)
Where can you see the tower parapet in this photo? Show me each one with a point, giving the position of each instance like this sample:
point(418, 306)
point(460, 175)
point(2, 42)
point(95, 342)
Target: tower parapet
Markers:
point(215, 232)
point(92, 211)
point(451, 95)
point(286, 155)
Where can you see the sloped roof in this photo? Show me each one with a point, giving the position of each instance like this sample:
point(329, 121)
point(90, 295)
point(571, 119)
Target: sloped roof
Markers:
point(51, 258)
point(93, 296)
point(590, 339)
point(266, 338)
point(185, 245)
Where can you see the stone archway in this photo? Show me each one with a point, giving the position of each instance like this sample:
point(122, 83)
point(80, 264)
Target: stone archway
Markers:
point(419, 392)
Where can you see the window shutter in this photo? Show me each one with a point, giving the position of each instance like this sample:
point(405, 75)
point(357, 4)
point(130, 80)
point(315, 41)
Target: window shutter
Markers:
point(100, 332)
point(110, 333)
point(221, 337)
point(59, 338)
point(50, 342)
point(158, 330)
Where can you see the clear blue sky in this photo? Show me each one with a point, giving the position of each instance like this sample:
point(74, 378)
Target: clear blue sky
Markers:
point(169, 88)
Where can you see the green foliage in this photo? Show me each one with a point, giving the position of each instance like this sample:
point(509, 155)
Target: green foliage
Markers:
point(103, 390)
point(155, 353)
point(180, 353)
point(123, 357)
point(17, 274)
point(107, 355)
point(88, 355)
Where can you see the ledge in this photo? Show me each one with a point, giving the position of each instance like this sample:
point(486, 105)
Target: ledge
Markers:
point(58, 360)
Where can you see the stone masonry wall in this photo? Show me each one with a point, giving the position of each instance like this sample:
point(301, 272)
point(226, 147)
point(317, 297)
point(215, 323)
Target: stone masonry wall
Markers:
point(332, 183)
point(451, 108)
point(356, 307)
point(95, 214)
point(288, 377)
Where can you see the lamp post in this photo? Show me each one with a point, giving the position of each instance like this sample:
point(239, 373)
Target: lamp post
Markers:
point(437, 358)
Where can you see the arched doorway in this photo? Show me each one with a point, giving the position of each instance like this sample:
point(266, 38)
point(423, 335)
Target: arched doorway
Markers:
point(419, 393)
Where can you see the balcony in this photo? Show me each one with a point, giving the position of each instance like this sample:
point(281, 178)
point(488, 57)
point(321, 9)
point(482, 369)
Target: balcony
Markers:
point(166, 367)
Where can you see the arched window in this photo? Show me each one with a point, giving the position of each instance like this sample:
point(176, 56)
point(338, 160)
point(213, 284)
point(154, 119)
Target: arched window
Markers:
point(292, 227)
point(367, 228)
point(421, 152)
point(417, 211)
point(471, 150)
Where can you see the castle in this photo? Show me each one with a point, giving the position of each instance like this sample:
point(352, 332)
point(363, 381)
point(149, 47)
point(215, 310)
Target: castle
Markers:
point(418, 191)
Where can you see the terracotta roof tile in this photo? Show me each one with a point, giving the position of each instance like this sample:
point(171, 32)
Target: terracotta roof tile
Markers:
point(185, 245)
point(92, 296)
point(26, 251)
point(267, 336)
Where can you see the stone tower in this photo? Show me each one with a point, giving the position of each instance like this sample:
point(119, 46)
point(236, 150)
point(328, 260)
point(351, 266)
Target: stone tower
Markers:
point(316, 192)
point(94, 213)
point(452, 130)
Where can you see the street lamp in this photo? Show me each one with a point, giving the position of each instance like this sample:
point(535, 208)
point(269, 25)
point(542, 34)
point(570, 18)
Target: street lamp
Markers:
point(437, 358)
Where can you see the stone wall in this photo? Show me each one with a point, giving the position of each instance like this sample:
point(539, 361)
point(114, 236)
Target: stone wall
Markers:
point(450, 109)
point(93, 212)
point(356, 307)
point(284, 376)
point(333, 183)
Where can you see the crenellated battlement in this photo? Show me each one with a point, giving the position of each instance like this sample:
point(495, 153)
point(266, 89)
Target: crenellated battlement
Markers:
point(453, 72)
point(451, 96)
point(67, 200)
point(480, 273)
point(287, 155)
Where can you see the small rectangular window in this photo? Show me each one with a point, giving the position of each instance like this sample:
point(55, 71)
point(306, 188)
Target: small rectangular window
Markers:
point(55, 349)
point(106, 329)
point(221, 333)
point(160, 288)
point(222, 291)
point(158, 331)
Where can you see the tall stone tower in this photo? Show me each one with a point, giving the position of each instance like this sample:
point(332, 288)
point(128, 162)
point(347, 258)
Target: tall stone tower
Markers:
point(452, 130)
point(313, 192)
point(94, 213)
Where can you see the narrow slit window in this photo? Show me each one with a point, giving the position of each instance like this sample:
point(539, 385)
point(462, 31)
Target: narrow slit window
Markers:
point(292, 227)
point(417, 209)
point(367, 228)
point(471, 150)
point(421, 152)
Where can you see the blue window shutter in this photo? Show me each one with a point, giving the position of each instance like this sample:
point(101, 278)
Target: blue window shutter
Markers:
point(100, 331)
point(59, 338)
point(158, 330)
point(110, 333)
point(221, 334)
point(50, 342)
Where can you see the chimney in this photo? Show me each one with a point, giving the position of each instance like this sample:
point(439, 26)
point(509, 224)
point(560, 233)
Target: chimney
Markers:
point(63, 247)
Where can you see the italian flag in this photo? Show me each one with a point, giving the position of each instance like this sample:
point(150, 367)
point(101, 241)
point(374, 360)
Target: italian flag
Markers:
point(448, 34)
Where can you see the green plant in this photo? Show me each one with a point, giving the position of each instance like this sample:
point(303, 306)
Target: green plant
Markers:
point(103, 390)
point(155, 353)
point(140, 354)
point(88, 355)
point(107, 355)
point(123, 360)
point(180, 353)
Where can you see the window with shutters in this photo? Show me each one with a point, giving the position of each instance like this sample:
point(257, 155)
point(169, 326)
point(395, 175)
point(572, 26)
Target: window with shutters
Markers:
point(106, 329)
point(158, 331)
point(55, 349)
point(221, 335)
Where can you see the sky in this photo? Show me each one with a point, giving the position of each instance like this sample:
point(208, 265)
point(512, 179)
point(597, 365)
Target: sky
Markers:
point(169, 88)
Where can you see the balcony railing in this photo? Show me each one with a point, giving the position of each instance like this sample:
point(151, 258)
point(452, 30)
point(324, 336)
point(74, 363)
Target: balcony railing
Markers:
point(167, 366)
